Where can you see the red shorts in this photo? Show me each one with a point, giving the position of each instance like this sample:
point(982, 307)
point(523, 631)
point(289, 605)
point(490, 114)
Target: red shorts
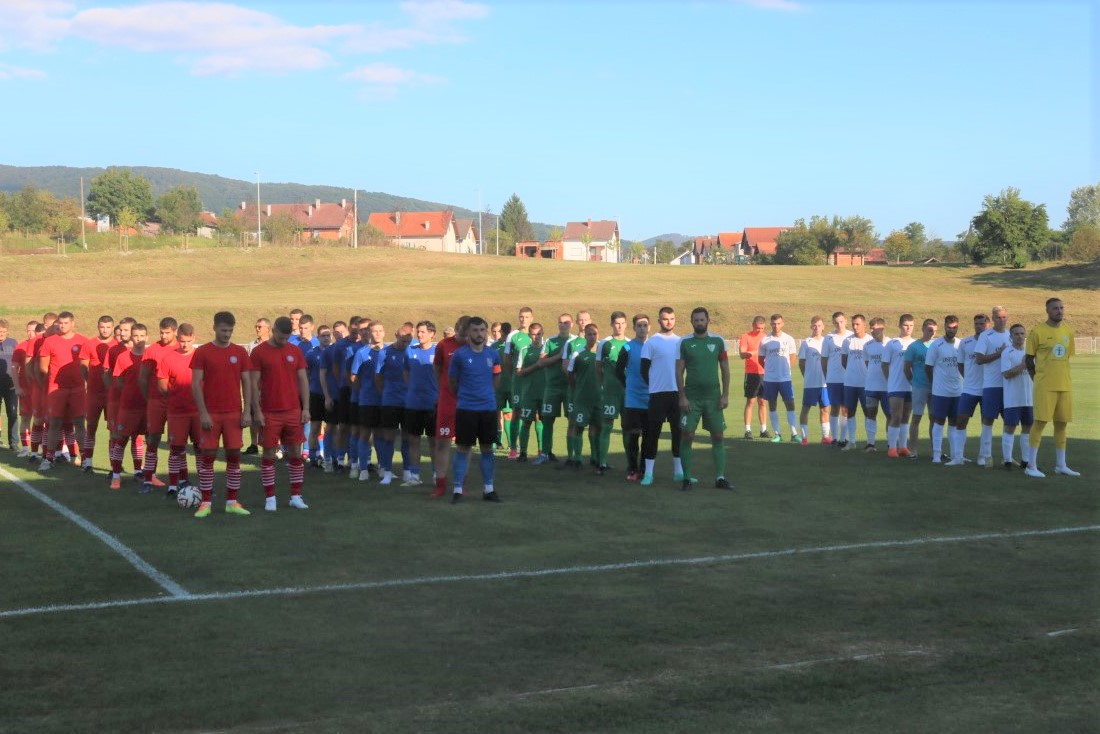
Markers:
point(226, 431)
point(445, 421)
point(156, 416)
point(183, 427)
point(131, 422)
point(26, 404)
point(38, 401)
point(66, 403)
point(95, 405)
point(282, 427)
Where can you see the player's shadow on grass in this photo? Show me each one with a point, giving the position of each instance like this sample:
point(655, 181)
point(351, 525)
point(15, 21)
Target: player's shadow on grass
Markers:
point(1061, 277)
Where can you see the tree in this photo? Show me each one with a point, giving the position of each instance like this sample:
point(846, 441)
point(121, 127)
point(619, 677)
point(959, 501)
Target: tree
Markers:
point(26, 211)
point(282, 227)
point(799, 246)
point(116, 189)
point(898, 245)
point(179, 210)
point(513, 220)
point(634, 251)
point(230, 225)
point(664, 251)
point(1084, 245)
point(62, 215)
point(917, 237)
point(1083, 209)
point(1009, 228)
point(127, 218)
point(857, 233)
point(555, 235)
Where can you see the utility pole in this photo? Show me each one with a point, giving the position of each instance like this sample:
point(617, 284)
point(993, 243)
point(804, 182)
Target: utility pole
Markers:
point(498, 235)
point(83, 236)
point(259, 240)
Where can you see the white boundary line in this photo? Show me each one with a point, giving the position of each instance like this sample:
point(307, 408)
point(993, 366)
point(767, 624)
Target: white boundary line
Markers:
point(160, 579)
point(543, 572)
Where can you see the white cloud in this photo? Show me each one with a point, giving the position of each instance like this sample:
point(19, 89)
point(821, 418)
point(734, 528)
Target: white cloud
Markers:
point(431, 24)
point(388, 74)
point(7, 71)
point(34, 24)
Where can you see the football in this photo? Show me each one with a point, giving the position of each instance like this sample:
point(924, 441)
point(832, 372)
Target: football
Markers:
point(189, 497)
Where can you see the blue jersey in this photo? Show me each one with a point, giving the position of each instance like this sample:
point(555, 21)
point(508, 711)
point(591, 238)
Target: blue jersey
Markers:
point(305, 346)
point(637, 389)
point(329, 358)
point(391, 365)
point(474, 372)
point(313, 368)
point(914, 354)
point(423, 392)
point(364, 365)
point(339, 353)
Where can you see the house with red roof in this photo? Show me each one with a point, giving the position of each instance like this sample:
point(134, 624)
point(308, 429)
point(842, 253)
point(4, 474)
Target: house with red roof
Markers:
point(431, 231)
point(466, 235)
point(319, 220)
point(760, 240)
point(593, 241)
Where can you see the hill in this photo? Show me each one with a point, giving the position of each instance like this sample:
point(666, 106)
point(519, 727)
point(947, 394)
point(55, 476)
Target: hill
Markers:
point(218, 192)
point(676, 239)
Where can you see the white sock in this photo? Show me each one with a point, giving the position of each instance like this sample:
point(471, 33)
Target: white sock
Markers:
point(903, 437)
point(834, 426)
point(825, 430)
point(958, 444)
point(649, 467)
point(773, 417)
point(891, 437)
point(1006, 447)
point(792, 422)
point(986, 445)
point(871, 426)
point(1060, 458)
point(804, 429)
point(748, 428)
point(937, 440)
point(677, 466)
point(851, 429)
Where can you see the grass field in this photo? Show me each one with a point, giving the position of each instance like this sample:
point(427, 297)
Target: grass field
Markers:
point(828, 592)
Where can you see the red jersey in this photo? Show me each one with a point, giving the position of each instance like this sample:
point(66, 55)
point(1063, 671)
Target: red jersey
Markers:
point(115, 392)
point(221, 375)
point(278, 368)
point(95, 351)
point(64, 357)
point(176, 368)
point(750, 342)
point(153, 354)
point(127, 366)
point(443, 353)
point(19, 357)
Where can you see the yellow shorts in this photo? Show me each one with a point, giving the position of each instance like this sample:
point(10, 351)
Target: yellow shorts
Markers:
point(1053, 406)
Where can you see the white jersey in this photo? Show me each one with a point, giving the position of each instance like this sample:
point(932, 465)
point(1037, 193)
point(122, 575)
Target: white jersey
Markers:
point(662, 351)
point(894, 358)
point(972, 371)
point(943, 357)
point(810, 351)
point(988, 343)
point(873, 354)
point(1018, 389)
point(776, 353)
point(831, 350)
point(855, 372)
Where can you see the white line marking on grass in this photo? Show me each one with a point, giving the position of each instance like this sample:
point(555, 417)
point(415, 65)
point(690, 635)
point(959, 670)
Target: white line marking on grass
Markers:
point(845, 659)
point(161, 579)
point(543, 572)
point(1059, 633)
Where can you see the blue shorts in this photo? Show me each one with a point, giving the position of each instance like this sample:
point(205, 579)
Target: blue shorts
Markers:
point(968, 402)
point(992, 403)
point(906, 396)
point(772, 389)
point(853, 395)
point(1015, 416)
point(879, 396)
point(944, 407)
point(835, 391)
point(815, 396)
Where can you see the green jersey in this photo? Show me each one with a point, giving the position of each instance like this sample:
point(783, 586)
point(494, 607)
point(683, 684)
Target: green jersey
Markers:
point(505, 379)
point(702, 357)
point(609, 358)
point(586, 390)
point(530, 385)
point(555, 380)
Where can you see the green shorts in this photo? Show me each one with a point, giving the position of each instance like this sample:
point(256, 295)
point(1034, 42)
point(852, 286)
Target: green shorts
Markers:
point(552, 402)
point(583, 414)
point(714, 421)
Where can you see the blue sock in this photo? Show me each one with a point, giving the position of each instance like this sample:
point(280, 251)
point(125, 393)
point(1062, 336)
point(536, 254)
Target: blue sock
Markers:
point(353, 449)
point(405, 459)
point(488, 464)
point(329, 446)
point(386, 454)
point(461, 464)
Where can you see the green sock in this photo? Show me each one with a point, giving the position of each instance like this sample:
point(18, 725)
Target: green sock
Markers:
point(548, 436)
point(685, 458)
point(594, 447)
point(718, 456)
point(538, 434)
point(524, 436)
point(514, 426)
point(507, 432)
point(605, 443)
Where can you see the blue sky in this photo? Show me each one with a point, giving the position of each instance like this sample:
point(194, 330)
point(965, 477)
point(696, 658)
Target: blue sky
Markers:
point(691, 117)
